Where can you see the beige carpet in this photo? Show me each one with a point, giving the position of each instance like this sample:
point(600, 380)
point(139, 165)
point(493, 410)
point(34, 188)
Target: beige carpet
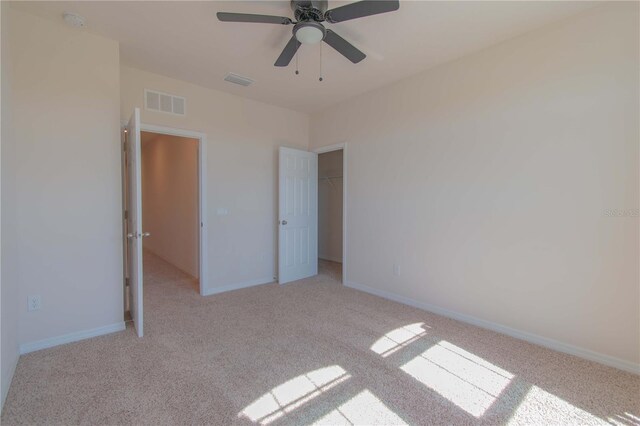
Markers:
point(331, 270)
point(308, 352)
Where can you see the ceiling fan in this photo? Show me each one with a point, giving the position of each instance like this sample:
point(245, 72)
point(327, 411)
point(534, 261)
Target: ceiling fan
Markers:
point(308, 28)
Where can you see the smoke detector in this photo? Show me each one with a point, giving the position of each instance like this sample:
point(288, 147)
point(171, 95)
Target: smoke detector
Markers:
point(74, 20)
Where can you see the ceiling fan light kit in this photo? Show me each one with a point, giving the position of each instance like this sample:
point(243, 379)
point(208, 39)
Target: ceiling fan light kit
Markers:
point(309, 32)
point(308, 28)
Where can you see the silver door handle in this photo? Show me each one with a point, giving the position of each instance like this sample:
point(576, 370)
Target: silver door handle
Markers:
point(130, 235)
point(146, 234)
point(284, 222)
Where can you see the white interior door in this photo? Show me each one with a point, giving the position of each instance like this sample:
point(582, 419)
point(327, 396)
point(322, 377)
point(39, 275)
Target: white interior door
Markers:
point(134, 221)
point(298, 215)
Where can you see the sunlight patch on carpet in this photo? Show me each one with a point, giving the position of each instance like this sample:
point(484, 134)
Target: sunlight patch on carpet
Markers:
point(624, 419)
point(363, 409)
point(293, 394)
point(461, 377)
point(398, 338)
point(542, 407)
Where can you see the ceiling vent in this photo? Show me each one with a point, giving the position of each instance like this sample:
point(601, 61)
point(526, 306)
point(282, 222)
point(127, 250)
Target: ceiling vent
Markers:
point(238, 79)
point(164, 102)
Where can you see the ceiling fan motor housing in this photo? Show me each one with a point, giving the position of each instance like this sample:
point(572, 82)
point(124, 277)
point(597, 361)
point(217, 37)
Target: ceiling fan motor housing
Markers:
point(309, 10)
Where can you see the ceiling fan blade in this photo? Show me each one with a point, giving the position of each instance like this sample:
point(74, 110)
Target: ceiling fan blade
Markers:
point(257, 19)
point(347, 49)
point(288, 52)
point(361, 9)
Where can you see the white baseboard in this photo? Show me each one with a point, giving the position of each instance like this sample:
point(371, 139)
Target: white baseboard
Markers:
point(331, 258)
point(25, 348)
point(518, 334)
point(237, 286)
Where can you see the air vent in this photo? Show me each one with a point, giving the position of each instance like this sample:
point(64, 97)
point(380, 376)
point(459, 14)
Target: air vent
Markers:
point(238, 79)
point(164, 102)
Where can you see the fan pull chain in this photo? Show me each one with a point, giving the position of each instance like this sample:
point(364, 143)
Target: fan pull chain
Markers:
point(297, 72)
point(320, 79)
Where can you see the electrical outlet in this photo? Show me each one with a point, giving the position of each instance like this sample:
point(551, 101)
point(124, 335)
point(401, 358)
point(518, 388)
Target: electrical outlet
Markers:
point(34, 303)
point(396, 270)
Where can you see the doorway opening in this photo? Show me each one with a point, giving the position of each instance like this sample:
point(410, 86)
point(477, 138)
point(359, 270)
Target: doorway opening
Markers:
point(331, 199)
point(169, 182)
point(164, 176)
point(298, 210)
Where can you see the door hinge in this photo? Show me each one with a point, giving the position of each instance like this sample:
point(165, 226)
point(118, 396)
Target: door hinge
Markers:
point(126, 282)
point(126, 214)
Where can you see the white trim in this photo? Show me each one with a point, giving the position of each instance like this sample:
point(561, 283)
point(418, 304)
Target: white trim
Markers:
point(518, 334)
point(172, 131)
point(202, 191)
point(238, 286)
point(25, 348)
point(329, 148)
point(345, 176)
point(202, 170)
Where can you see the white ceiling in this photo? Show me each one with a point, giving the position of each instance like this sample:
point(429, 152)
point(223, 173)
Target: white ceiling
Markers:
point(184, 40)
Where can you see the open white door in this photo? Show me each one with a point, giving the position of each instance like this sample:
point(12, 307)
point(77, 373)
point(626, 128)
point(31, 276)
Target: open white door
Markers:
point(134, 220)
point(298, 215)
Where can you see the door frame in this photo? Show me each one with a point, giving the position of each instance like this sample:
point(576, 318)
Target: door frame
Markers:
point(337, 147)
point(202, 191)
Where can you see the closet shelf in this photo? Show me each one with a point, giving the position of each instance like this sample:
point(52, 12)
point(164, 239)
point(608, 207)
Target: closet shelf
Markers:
point(328, 179)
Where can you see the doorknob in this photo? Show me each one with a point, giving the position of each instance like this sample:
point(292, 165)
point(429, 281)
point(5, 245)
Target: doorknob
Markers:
point(146, 234)
point(130, 235)
point(284, 222)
